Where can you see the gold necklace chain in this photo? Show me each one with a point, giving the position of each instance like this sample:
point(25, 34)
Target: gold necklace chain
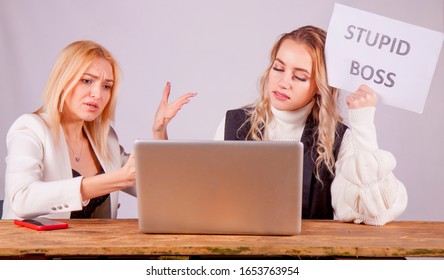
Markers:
point(76, 157)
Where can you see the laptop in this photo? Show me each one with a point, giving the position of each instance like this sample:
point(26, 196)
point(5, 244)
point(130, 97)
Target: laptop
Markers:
point(219, 187)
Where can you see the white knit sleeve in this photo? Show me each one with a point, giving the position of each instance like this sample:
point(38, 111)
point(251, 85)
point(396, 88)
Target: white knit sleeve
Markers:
point(220, 132)
point(364, 189)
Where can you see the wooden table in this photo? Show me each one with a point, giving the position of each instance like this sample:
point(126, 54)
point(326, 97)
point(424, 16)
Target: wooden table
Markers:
point(121, 239)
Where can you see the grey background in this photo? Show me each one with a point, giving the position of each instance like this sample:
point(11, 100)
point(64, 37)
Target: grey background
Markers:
point(218, 49)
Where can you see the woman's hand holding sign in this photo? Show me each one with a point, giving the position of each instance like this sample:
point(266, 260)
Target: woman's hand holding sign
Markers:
point(364, 96)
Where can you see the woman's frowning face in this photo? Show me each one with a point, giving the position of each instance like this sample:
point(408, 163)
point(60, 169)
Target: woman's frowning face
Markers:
point(92, 92)
point(290, 82)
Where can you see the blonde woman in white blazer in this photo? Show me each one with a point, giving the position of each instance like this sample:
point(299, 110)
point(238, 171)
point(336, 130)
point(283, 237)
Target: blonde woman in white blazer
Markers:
point(64, 160)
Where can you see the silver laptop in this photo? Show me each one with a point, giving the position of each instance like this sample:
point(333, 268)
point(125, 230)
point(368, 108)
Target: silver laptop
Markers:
point(219, 187)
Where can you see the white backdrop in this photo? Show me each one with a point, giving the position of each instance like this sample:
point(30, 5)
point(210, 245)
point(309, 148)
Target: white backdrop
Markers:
point(218, 49)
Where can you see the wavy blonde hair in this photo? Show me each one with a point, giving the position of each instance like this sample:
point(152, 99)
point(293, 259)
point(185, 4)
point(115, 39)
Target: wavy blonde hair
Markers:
point(325, 110)
point(68, 69)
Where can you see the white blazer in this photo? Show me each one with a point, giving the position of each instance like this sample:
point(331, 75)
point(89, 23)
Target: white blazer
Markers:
point(38, 178)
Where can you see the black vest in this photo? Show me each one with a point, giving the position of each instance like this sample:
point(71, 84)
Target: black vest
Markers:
point(316, 196)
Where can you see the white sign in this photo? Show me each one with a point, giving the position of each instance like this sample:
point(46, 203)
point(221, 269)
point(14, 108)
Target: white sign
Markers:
point(396, 59)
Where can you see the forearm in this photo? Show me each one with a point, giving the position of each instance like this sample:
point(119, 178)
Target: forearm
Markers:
point(363, 129)
point(38, 198)
point(365, 189)
point(102, 184)
point(160, 134)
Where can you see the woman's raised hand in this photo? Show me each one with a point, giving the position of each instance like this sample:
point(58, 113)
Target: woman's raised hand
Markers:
point(166, 112)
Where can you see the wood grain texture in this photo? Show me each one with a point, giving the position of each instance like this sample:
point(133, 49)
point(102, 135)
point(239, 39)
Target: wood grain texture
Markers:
point(121, 238)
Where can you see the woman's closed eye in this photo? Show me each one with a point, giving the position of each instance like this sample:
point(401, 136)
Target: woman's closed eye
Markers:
point(295, 77)
point(300, 78)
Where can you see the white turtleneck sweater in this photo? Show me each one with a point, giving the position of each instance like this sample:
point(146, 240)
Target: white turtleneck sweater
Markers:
point(364, 189)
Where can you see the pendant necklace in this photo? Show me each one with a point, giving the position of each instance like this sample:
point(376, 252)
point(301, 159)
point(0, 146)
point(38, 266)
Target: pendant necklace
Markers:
point(76, 157)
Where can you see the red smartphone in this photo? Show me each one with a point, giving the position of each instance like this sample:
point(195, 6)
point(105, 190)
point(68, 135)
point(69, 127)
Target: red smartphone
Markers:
point(41, 223)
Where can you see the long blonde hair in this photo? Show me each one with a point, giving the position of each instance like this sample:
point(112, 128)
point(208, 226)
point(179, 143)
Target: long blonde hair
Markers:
point(325, 110)
point(69, 67)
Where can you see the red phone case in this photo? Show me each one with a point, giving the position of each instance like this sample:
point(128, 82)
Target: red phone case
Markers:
point(41, 224)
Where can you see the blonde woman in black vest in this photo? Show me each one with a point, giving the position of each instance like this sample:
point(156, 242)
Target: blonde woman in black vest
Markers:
point(346, 175)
